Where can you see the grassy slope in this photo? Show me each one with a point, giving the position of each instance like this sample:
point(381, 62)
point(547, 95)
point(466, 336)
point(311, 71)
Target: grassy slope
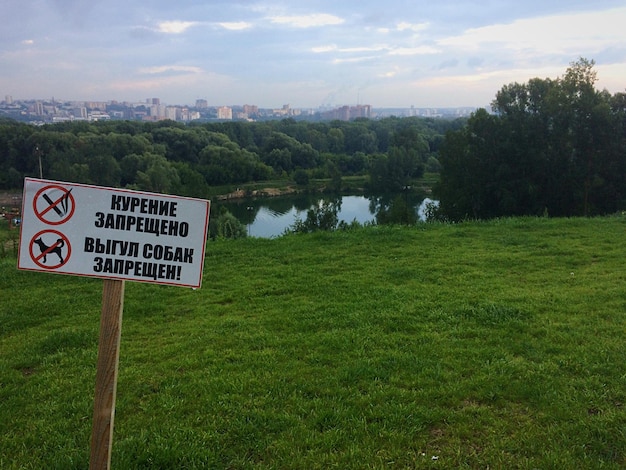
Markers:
point(495, 344)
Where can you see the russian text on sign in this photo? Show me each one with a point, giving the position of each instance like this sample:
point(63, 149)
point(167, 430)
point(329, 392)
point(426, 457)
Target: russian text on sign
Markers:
point(172, 228)
point(154, 271)
point(143, 205)
point(111, 247)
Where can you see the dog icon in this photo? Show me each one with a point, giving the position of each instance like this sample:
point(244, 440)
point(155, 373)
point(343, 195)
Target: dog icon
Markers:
point(46, 250)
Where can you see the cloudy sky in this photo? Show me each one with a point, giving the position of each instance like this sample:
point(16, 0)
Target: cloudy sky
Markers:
point(387, 53)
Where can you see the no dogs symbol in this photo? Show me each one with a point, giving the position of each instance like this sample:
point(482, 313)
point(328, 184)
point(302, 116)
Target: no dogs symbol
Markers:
point(50, 249)
point(54, 204)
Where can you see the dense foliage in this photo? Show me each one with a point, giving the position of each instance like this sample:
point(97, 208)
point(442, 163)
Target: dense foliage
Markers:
point(554, 147)
point(187, 159)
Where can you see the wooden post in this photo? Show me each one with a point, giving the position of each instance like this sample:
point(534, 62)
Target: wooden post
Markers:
point(106, 374)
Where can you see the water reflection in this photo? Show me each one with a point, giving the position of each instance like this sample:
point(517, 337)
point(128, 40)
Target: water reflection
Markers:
point(271, 217)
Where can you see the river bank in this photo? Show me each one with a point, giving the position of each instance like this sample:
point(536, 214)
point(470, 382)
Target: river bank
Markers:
point(10, 199)
point(265, 192)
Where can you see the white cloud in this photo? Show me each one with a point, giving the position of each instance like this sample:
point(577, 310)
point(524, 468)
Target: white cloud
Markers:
point(389, 74)
point(364, 49)
point(352, 60)
point(404, 26)
point(565, 34)
point(323, 49)
point(348, 50)
point(165, 69)
point(419, 50)
point(488, 81)
point(307, 21)
point(235, 25)
point(28, 42)
point(175, 27)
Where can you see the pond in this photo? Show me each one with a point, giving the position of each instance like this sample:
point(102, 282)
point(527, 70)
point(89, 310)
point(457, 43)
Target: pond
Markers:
point(271, 216)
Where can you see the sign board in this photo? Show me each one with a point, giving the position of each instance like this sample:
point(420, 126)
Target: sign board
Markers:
point(70, 228)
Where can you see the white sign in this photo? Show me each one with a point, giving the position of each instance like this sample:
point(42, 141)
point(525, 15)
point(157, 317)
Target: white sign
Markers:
point(70, 228)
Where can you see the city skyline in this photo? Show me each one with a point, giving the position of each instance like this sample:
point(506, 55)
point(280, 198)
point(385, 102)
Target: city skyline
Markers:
point(152, 109)
point(397, 53)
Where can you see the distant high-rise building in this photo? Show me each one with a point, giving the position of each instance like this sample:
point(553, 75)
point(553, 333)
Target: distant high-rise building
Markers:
point(250, 110)
point(361, 110)
point(96, 105)
point(156, 101)
point(225, 113)
point(157, 112)
point(202, 104)
point(346, 113)
point(80, 112)
point(8, 99)
point(171, 113)
point(182, 114)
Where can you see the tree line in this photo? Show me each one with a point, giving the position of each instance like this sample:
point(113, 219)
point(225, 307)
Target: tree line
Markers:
point(551, 147)
point(189, 159)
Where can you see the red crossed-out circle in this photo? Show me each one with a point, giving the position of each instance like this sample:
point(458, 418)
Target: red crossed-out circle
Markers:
point(54, 204)
point(57, 241)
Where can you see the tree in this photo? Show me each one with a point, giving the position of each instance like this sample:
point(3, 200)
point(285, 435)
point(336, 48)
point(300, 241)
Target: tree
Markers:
point(301, 177)
point(397, 212)
point(336, 180)
point(279, 160)
point(215, 153)
point(10, 179)
point(158, 174)
point(336, 140)
point(358, 138)
point(587, 118)
point(226, 226)
point(403, 165)
point(323, 216)
point(404, 161)
point(282, 145)
point(477, 179)
point(129, 166)
point(104, 170)
point(554, 146)
point(190, 183)
point(228, 163)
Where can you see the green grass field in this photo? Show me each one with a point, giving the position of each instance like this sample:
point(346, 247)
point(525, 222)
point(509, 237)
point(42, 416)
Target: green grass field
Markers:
point(496, 345)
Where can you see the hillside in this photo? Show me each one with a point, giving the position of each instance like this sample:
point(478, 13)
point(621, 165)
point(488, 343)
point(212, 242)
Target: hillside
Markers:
point(478, 345)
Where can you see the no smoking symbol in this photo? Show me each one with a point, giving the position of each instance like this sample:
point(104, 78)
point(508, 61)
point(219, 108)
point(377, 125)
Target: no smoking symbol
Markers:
point(54, 204)
point(50, 249)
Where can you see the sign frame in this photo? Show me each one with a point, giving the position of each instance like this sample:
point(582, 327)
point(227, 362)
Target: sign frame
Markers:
point(115, 233)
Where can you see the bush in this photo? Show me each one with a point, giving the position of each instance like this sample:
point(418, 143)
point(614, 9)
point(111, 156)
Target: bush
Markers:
point(320, 217)
point(226, 225)
point(301, 177)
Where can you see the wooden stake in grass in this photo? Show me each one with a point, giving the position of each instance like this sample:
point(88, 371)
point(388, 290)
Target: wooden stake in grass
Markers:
point(106, 374)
